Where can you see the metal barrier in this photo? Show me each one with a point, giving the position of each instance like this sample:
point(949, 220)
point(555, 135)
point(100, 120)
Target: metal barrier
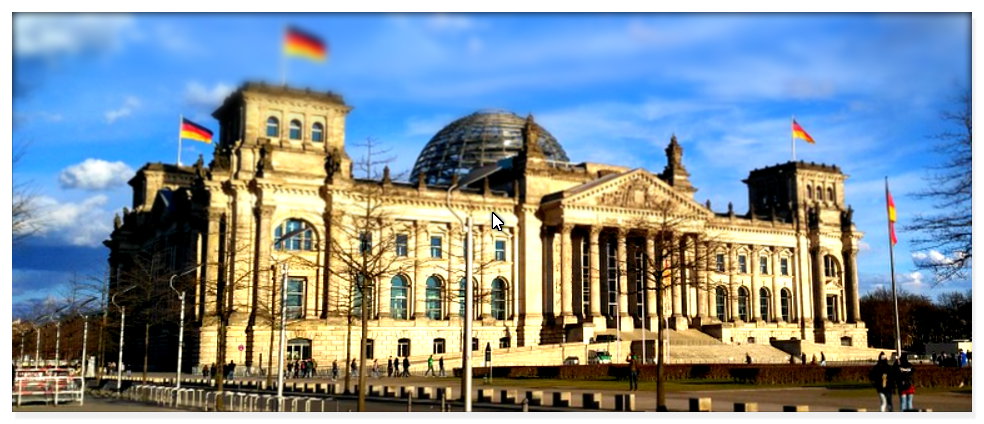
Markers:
point(55, 389)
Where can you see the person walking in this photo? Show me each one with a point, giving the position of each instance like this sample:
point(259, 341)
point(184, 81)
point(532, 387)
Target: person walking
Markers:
point(389, 367)
point(212, 371)
point(303, 367)
point(406, 366)
point(375, 368)
point(334, 370)
point(232, 370)
point(748, 358)
point(353, 369)
point(905, 383)
point(290, 370)
point(823, 360)
point(430, 367)
point(881, 378)
point(803, 358)
point(440, 365)
point(205, 372)
point(396, 367)
point(633, 372)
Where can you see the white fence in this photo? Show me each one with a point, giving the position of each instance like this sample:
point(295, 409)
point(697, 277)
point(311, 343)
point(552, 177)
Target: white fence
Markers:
point(205, 400)
point(56, 389)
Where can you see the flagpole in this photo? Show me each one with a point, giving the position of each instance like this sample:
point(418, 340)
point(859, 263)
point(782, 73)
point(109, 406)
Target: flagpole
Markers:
point(895, 297)
point(180, 123)
point(792, 138)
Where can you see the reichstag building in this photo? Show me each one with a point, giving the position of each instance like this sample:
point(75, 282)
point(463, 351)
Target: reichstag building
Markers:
point(590, 255)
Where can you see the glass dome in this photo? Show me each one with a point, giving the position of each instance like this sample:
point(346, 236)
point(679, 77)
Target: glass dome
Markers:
point(477, 140)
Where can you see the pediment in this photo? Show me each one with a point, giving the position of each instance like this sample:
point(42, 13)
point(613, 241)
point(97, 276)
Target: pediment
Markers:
point(636, 189)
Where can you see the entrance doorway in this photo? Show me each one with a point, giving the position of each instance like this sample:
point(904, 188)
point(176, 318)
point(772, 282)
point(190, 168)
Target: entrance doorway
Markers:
point(298, 349)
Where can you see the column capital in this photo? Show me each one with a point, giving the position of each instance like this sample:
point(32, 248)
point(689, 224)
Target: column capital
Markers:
point(566, 228)
point(594, 231)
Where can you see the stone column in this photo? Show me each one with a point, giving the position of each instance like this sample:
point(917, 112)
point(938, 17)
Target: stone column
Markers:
point(212, 264)
point(566, 282)
point(263, 243)
point(755, 313)
point(776, 268)
point(851, 286)
point(819, 299)
point(419, 273)
point(623, 295)
point(595, 277)
point(482, 259)
point(701, 278)
point(453, 281)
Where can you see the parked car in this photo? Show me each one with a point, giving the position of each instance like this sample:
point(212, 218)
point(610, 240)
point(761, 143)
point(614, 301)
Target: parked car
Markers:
point(599, 357)
point(572, 360)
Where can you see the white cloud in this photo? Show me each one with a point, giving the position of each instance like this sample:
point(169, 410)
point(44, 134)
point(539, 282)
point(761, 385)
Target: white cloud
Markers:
point(95, 174)
point(77, 224)
point(912, 281)
point(48, 35)
point(129, 104)
point(197, 94)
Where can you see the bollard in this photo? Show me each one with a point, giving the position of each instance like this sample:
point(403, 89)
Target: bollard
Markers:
point(410, 402)
point(625, 402)
point(507, 397)
point(484, 395)
point(535, 397)
point(746, 407)
point(390, 391)
point(852, 410)
point(407, 391)
point(374, 390)
point(561, 399)
point(444, 406)
point(795, 408)
point(425, 393)
point(700, 404)
point(591, 400)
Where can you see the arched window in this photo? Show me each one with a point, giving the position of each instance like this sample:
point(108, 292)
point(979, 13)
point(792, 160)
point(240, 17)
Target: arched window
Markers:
point(743, 303)
point(433, 298)
point(317, 132)
point(302, 240)
point(273, 127)
point(295, 130)
point(720, 302)
point(784, 304)
point(809, 192)
point(498, 299)
point(764, 302)
point(830, 194)
point(398, 297)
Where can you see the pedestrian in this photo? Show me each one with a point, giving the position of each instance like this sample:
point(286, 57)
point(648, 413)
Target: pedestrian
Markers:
point(297, 368)
point(748, 358)
point(232, 370)
point(881, 378)
point(963, 359)
point(290, 369)
point(334, 370)
point(813, 360)
point(440, 365)
point(633, 372)
point(389, 367)
point(314, 367)
point(212, 370)
point(353, 369)
point(905, 383)
point(803, 358)
point(430, 367)
point(792, 359)
point(205, 372)
point(823, 360)
point(375, 368)
point(396, 367)
point(406, 366)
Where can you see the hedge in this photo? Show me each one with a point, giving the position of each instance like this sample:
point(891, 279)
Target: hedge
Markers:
point(925, 375)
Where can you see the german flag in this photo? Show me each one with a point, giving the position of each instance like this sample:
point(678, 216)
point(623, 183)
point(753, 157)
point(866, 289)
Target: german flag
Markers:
point(800, 133)
point(195, 132)
point(303, 44)
point(890, 203)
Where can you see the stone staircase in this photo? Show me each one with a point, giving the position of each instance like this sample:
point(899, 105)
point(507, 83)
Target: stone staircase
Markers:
point(836, 352)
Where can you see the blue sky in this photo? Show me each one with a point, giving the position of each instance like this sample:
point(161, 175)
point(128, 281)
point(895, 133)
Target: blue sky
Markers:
point(98, 96)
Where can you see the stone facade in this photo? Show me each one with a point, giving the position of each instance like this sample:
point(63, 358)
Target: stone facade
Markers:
point(786, 269)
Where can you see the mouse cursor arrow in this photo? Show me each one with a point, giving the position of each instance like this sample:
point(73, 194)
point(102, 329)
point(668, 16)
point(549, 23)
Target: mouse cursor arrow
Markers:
point(496, 222)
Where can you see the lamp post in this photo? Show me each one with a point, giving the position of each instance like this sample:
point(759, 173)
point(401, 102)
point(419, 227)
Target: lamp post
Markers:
point(85, 340)
point(181, 295)
point(37, 346)
point(283, 318)
point(466, 351)
point(119, 365)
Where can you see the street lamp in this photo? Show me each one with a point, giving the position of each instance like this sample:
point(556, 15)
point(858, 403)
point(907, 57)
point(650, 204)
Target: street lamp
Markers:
point(466, 351)
point(119, 365)
point(85, 340)
point(283, 318)
point(181, 295)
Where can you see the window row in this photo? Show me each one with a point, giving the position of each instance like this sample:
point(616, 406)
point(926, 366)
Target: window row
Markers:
point(434, 298)
point(763, 263)
point(819, 193)
point(273, 129)
point(721, 300)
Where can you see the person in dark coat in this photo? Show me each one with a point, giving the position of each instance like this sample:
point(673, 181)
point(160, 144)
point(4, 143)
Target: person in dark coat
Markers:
point(905, 383)
point(406, 366)
point(396, 367)
point(748, 358)
point(440, 365)
point(334, 370)
point(205, 372)
point(803, 358)
point(389, 367)
point(353, 369)
point(881, 377)
point(633, 373)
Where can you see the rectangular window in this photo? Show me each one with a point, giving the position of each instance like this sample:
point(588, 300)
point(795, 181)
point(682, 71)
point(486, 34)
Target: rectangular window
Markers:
point(763, 264)
point(784, 266)
point(500, 250)
point(504, 342)
point(365, 243)
point(720, 262)
point(742, 264)
point(832, 308)
point(295, 297)
point(435, 247)
point(585, 275)
point(401, 245)
point(612, 280)
point(403, 348)
point(370, 348)
point(439, 346)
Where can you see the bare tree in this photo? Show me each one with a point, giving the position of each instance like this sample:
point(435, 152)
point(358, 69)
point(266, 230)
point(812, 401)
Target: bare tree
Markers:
point(950, 187)
point(23, 206)
point(362, 246)
point(676, 245)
